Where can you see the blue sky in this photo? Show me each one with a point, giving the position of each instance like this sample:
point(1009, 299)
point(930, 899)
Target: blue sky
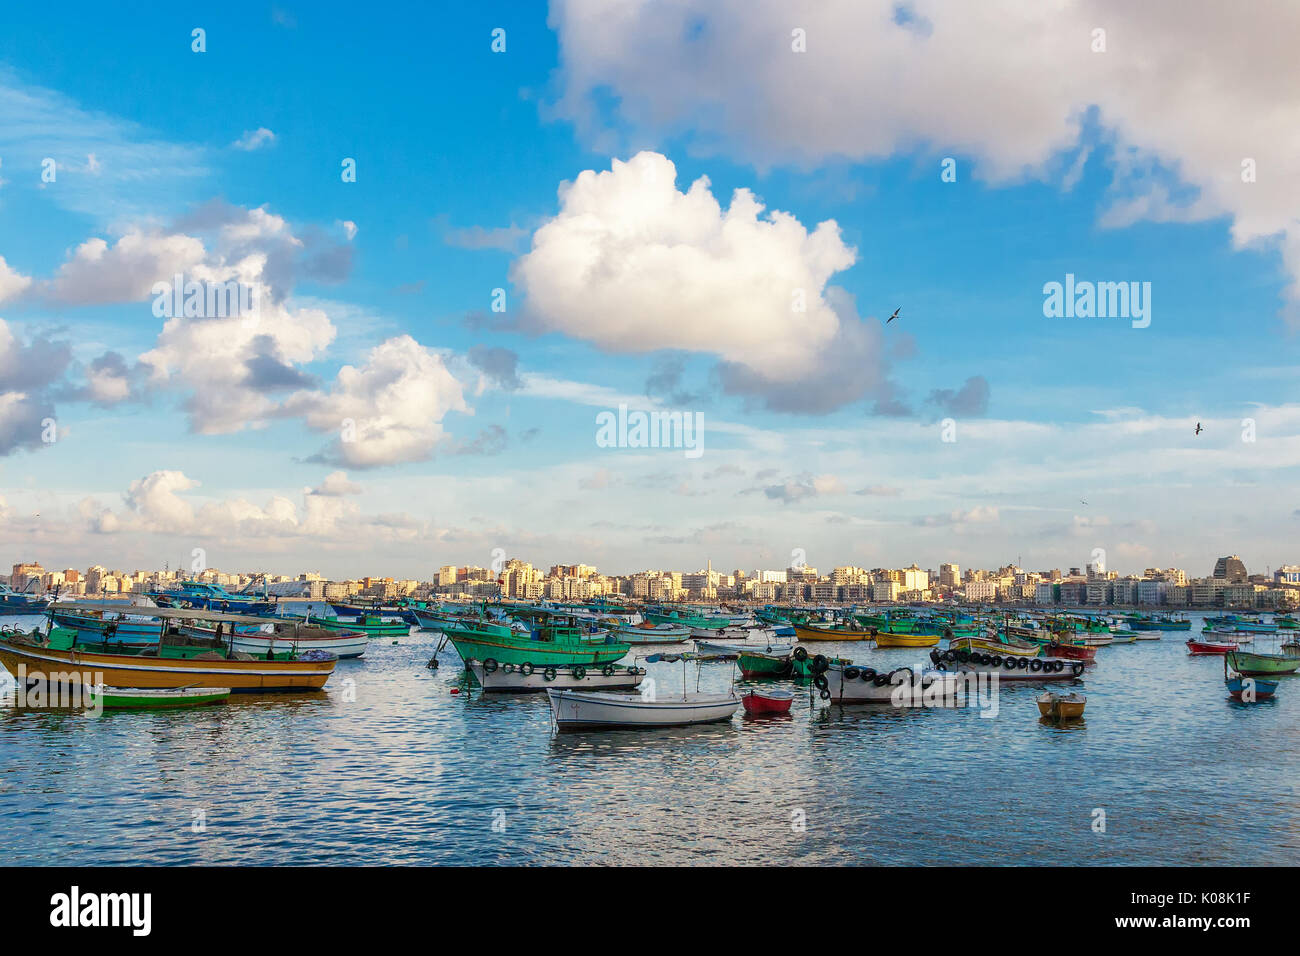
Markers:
point(822, 429)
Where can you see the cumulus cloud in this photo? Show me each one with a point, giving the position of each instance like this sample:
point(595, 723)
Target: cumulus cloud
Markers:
point(12, 284)
point(387, 411)
point(335, 484)
point(1009, 85)
point(808, 486)
point(632, 264)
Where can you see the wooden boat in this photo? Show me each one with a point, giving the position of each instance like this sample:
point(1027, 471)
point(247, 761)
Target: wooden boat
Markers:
point(830, 632)
point(582, 710)
point(112, 626)
point(1061, 706)
point(1203, 647)
point(649, 633)
point(1249, 664)
point(371, 624)
point(289, 636)
point(1072, 651)
point(845, 683)
point(1012, 668)
point(156, 698)
point(735, 650)
point(525, 678)
point(912, 639)
point(767, 702)
point(177, 660)
point(1247, 690)
point(990, 646)
point(545, 640)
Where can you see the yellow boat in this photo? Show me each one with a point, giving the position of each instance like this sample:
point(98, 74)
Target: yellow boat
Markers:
point(1058, 707)
point(175, 661)
point(906, 640)
point(1011, 648)
point(813, 632)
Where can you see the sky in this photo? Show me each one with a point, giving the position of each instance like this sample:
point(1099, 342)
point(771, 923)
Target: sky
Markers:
point(468, 231)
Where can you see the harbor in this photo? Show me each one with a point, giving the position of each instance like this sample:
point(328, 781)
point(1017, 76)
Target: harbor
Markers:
point(395, 761)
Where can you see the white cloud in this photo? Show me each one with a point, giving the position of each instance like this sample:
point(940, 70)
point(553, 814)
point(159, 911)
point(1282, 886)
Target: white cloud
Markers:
point(387, 411)
point(632, 264)
point(1005, 83)
point(12, 284)
point(254, 139)
point(124, 271)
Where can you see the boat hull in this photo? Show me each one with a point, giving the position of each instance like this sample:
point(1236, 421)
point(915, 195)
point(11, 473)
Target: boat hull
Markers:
point(1245, 689)
point(509, 679)
point(854, 684)
point(138, 698)
point(577, 710)
point(1262, 665)
point(807, 632)
point(32, 662)
point(906, 640)
point(509, 650)
point(766, 704)
point(1206, 648)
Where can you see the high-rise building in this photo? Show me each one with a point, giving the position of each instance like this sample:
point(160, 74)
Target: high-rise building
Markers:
point(1231, 569)
point(949, 575)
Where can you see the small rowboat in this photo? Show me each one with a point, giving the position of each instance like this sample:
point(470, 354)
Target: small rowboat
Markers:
point(1247, 690)
point(906, 640)
point(735, 650)
point(767, 702)
point(156, 698)
point(580, 710)
point(1061, 706)
point(1202, 647)
point(1075, 652)
point(1262, 665)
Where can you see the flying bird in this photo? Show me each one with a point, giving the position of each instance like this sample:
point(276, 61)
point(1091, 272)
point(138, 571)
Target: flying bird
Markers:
point(1198, 428)
point(892, 317)
point(1082, 502)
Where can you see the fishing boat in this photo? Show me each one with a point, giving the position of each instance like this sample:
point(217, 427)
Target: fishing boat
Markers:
point(121, 626)
point(699, 625)
point(371, 624)
point(211, 597)
point(1227, 634)
point(648, 632)
point(583, 710)
point(156, 698)
point(1246, 690)
point(847, 683)
point(766, 703)
point(526, 678)
point(770, 646)
point(21, 602)
point(1001, 646)
point(1061, 706)
point(289, 636)
point(177, 660)
point(1011, 667)
point(1202, 647)
point(758, 663)
point(1249, 664)
point(805, 631)
point(543, 640)
point(903, 639)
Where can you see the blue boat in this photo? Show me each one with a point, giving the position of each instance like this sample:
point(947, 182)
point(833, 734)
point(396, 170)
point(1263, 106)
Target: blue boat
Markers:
point(211, 597)
point(1256, 687)
point(110, 627)
point(19, 602)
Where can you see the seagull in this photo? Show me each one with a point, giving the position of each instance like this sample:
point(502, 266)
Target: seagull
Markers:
point(1198, 428)
point(1082, 502)
point(892, 317)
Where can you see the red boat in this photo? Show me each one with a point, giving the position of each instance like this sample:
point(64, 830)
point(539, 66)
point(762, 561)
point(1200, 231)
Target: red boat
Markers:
point(1075, 652)
point(1196, 648)
point(762, 703)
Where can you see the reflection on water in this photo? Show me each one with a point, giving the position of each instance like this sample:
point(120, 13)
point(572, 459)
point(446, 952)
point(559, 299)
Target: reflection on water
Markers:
point(409, 772)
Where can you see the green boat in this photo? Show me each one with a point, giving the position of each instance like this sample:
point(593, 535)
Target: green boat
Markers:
point(540, 640)
point(156, 698)
point(758, 663)
point(1262, 665)
point(891, 622)
point(688, 620)
point(371, 624)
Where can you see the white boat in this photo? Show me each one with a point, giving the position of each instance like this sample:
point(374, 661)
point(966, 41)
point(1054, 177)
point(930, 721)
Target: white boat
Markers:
point(342, 645)
point(1042, 669)
point(511, 678)
point(580, 710)
point(734, 650)
point(647, 633)
point(860, 684)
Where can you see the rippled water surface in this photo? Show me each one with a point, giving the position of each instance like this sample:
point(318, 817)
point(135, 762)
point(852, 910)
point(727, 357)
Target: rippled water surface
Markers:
point(410, 773)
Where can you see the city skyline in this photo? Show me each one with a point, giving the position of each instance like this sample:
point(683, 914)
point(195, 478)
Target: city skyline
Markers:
point(430, 351)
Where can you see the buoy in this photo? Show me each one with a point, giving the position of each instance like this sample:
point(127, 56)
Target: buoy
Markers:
point(455, 690)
